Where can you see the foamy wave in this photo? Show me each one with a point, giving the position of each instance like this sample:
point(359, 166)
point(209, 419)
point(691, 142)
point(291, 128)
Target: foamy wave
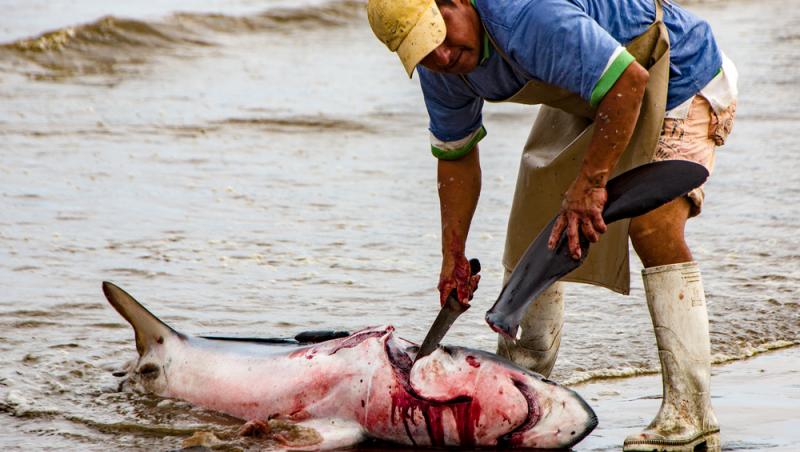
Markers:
point(717, 358)
point(16, 404)
point(749, 351)
point(106, 32)
point(599, 374)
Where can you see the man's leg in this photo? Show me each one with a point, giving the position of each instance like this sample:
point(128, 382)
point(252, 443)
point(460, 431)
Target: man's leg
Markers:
point(676, 301)
point(658, 236)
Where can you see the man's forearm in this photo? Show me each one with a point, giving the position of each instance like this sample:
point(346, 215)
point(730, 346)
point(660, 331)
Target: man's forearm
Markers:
point(615, 121)
point(459, 189)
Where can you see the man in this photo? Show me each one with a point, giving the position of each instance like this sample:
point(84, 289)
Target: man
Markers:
point(668, 93)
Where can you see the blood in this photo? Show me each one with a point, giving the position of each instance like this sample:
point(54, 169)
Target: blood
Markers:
point(472, 361)
point(300, 415)
point(406, 403)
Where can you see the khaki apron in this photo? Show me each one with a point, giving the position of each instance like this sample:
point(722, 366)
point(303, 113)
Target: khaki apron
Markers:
point(554, 151)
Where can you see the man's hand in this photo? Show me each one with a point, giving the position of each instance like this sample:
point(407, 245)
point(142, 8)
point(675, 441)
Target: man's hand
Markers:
point(456, 274)
point(581, 210)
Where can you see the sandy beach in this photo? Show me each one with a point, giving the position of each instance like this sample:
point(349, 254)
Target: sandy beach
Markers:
point(757, 402)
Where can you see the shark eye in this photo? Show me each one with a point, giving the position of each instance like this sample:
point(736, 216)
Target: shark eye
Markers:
point(149, 371)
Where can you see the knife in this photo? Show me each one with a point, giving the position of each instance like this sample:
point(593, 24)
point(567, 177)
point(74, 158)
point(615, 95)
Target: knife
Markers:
point(447, 315)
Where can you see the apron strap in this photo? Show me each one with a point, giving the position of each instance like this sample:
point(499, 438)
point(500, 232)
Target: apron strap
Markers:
point(469, 85)
point(518, 70)
point(660, 11)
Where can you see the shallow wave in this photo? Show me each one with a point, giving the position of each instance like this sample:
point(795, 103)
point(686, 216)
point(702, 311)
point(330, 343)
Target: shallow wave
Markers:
point(113, 45)
point(107, 31)
point(299, 123)
point(276, 20)
point(109, 45)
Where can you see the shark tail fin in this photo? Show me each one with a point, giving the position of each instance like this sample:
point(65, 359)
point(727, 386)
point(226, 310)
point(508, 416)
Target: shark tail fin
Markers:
point(148, 328)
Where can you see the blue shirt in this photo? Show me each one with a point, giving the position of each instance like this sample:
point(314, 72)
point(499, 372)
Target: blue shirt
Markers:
point(567, 43)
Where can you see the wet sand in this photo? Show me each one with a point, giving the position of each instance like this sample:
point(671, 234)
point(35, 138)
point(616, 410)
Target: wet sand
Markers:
point(757, 402)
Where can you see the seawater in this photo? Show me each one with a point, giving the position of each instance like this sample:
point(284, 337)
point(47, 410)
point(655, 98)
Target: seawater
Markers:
point(262, 168)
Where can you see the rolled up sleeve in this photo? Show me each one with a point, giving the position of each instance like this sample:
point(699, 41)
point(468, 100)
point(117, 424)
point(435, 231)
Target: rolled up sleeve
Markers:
point(455, 115)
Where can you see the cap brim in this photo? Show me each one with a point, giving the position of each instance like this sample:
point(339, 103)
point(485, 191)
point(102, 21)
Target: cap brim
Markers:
point(426, 35)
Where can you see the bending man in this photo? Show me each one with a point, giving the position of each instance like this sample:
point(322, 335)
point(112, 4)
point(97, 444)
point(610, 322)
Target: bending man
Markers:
point(622, 82)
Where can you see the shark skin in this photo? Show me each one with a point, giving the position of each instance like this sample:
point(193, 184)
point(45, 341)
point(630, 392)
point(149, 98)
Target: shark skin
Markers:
point(365, 385)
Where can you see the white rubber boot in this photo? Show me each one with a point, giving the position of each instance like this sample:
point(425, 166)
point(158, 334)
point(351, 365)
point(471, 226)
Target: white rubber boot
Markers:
point(677, 306)
point(540, 337)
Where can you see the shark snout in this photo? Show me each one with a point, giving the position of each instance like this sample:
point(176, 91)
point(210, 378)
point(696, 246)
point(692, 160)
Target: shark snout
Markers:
point(145, 375)
point(564, 419)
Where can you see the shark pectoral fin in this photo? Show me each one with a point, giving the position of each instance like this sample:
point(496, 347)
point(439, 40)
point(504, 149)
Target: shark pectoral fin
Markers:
point(316, 336)
point(334, 433)
point(630, 194)
point(649, 186)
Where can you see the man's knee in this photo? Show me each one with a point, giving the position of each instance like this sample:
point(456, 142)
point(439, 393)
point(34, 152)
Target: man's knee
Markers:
point(668, 220)
point(658, 237)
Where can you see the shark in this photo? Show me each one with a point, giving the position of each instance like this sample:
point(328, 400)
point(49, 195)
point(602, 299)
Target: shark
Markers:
point(348, 388)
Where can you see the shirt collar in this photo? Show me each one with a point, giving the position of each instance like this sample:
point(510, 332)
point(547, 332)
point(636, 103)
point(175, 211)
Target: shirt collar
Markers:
point(487, 47)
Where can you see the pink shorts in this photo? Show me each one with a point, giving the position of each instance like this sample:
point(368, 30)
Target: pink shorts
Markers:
point(696, 138)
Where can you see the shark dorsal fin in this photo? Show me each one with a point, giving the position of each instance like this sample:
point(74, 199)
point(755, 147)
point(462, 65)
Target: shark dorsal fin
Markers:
point(148, 328)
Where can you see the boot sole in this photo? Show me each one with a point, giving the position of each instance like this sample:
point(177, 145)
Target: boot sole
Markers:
point(710, 439)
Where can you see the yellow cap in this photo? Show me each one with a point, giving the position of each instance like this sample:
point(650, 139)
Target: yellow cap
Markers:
point(412, 28)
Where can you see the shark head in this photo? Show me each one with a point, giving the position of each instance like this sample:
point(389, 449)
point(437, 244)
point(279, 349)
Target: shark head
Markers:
point(508, 405)
point(146, 374)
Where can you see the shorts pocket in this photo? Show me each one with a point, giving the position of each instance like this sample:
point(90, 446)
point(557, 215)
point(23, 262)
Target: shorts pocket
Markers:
point(721, 124)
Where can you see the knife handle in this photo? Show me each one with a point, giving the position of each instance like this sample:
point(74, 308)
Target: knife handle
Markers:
point(474, 266)
point(474, 269)
point(447, 315)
